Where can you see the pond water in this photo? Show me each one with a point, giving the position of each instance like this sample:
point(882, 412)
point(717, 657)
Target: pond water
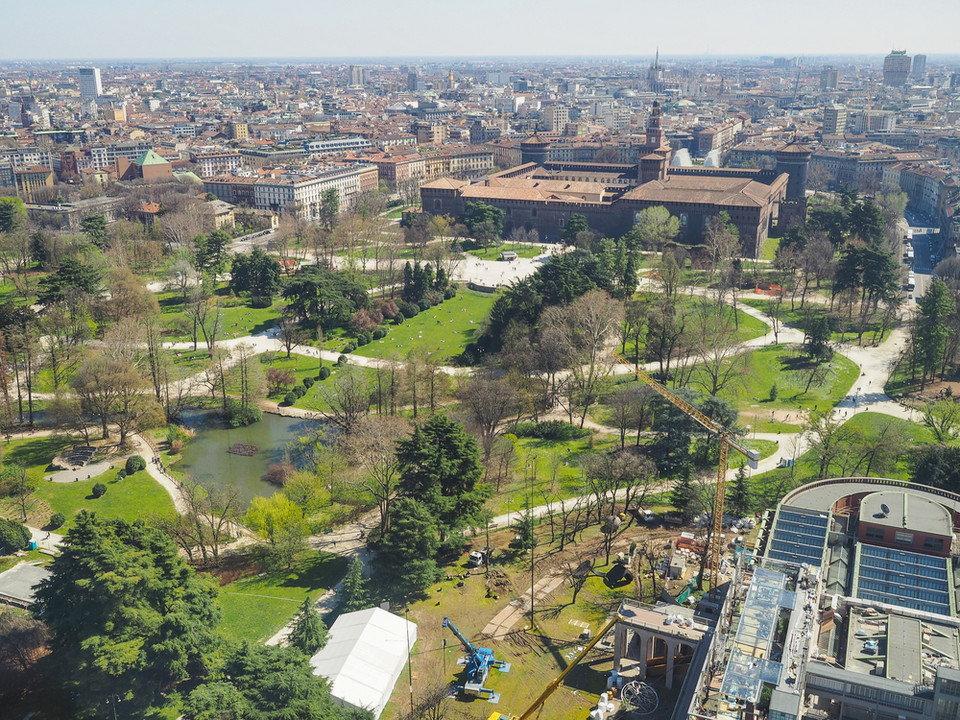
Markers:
point(205, 457)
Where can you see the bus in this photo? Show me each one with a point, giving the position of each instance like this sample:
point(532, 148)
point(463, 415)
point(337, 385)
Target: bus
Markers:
point(911, 282)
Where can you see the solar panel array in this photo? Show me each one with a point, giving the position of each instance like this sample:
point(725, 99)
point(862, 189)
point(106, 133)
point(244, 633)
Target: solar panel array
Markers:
point(799, 536)
point(904, 578)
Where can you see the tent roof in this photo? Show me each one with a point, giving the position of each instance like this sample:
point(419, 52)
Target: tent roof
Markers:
point(364, 657)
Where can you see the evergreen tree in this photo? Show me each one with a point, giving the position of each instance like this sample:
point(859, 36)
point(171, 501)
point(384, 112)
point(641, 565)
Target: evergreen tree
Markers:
point(309, 633)
point(354, 593)
point(683, 494)
point(526, 538)
point(739, 494)
point(95, 228)
point(407, 557)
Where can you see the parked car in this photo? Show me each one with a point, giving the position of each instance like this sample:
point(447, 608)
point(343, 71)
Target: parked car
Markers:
point(475, 559)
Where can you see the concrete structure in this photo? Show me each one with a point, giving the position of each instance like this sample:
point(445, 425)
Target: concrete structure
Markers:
point(847, 612)
point(90, 85)
point(919, 69)
point(829, 79)
point(364, 656)
point(216, 163)
point(834, 120)
point(896, 68)
point(18, 584)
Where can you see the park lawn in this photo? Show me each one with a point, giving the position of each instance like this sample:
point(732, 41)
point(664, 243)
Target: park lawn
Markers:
point(445, 329)
point(255, 608)
point(770, 247)
point(534, 471)
point(136, 497)
point(772, 485)
point(784, 366)
point(847, 334)
point(493, 252)
point(187, 362)
point(238, 318)
point(303, 366)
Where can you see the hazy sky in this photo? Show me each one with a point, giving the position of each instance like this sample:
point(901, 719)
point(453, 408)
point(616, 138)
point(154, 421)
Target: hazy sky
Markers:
point(334, 28)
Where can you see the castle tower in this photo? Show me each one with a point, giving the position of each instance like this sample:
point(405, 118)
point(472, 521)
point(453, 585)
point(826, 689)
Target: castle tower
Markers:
point(794, 159)
point(655, 152)
point(535, 149)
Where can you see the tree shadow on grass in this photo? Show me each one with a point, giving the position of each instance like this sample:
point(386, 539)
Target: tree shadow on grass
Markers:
point(38, 451)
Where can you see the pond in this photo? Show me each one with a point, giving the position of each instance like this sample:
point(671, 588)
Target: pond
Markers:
point(205, 457)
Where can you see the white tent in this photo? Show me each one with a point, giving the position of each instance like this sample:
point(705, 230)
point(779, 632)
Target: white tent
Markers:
point(364, 657)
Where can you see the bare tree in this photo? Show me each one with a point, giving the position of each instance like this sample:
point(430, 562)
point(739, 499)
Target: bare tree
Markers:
point(487, 402)
point(347, 401)
point(290, 335)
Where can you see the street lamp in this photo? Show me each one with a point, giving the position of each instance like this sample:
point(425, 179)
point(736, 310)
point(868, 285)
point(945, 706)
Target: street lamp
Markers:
point(113, 701)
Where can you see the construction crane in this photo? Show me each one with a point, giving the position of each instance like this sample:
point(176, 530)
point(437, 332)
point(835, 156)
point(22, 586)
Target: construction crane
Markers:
point(477, 662)
point(727, 441)
point(556, 682)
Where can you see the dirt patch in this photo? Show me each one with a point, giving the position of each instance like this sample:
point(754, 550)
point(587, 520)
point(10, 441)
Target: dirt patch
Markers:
point(234, 567)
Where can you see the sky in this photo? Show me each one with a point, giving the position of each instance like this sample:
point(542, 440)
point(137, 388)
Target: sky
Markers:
point(103, 29)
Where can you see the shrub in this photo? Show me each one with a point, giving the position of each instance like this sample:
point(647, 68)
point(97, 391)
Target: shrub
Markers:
point(364, 320)
point(342, 360)
point(379, 333)
point(550, 430)
point(237, 415)
point(425, 305)
point(13, 535)
point(324, 373)
point(121, 474)
point(398, 319)
point(57, 520)
point(409, 310)
point(279, 473)
point(135, 463)
point(388, 309)
point(290, 398)
point(299, 391)
point(267, 357)
point(99, 490)
point(434, 298)
point(364, 339)
point(279, 380)
point(308, 382)
point(774, 392)
point(260, 301)
point(449, 293)
point(349, 347)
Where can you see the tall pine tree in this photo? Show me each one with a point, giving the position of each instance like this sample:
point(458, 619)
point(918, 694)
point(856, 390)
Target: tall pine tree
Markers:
point(354, 593)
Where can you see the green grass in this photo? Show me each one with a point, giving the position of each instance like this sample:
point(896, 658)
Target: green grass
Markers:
point(786, 367)
point(770, 247)
point(493, 252)
point(847, 329)
point(187, 362)
point(238, 319)
point(902, 381)
point(134, 497)
point(445, 329)
point(255, 608)
point(772, 485)
point(303, 366)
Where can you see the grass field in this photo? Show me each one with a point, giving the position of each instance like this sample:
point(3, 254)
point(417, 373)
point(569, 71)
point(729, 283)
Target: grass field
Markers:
point(445, 329)
point(770, 247)
point(238, 319)
point(794, 319)
point(493, 252)
point(303, 366)
point(255, 608)
point(866, 427)
point(137, 496)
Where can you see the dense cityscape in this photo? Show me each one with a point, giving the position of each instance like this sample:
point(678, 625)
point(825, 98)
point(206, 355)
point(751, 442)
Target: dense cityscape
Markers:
point(486, 388)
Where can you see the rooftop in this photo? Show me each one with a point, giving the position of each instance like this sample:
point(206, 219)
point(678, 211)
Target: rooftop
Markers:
point(894, 508)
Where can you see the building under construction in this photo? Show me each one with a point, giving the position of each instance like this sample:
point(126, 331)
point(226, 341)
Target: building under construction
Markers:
point(845, 608)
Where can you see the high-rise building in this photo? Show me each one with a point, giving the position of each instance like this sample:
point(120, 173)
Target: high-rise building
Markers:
point(555, 117)
point(829, 79)
point(834, 120)
point(919, 66)
point(358, 75)
point(90, 87)
point(896, 68)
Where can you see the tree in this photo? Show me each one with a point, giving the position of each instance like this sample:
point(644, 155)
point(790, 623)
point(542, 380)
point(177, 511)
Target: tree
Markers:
point(723, 242)
point(100, 383)
point(930, 332)
point(440, 468)
point(12, 214)
point(937, 466)
point(124, 610)
point(320, 295)
point(260, 682)
point(487, 401)
point(574, 226)
point(683, 496)
point(23, 642)
point(290, 336)
point(256, 273)
point(372, 446)
point(525, 528)
point(278, 520)
point(13, 536)
point(347, 400)
point(407, 557)
point(17, 484)
point(71, 276)
point(329, 208)
point(739, 494)
point(484, 222)
point(309, 633)
point(654, 228)
point(353, 592)
point(95, 227)
point(211, 252)
point(943, 419)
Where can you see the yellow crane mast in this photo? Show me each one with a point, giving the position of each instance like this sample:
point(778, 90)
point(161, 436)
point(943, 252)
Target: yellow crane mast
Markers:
point(726, 441)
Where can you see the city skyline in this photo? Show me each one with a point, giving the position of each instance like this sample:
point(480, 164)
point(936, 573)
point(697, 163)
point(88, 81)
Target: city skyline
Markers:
point(178, 29)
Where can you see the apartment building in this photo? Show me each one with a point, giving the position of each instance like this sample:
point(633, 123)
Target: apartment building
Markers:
point(336, 146)
point(217, 163)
